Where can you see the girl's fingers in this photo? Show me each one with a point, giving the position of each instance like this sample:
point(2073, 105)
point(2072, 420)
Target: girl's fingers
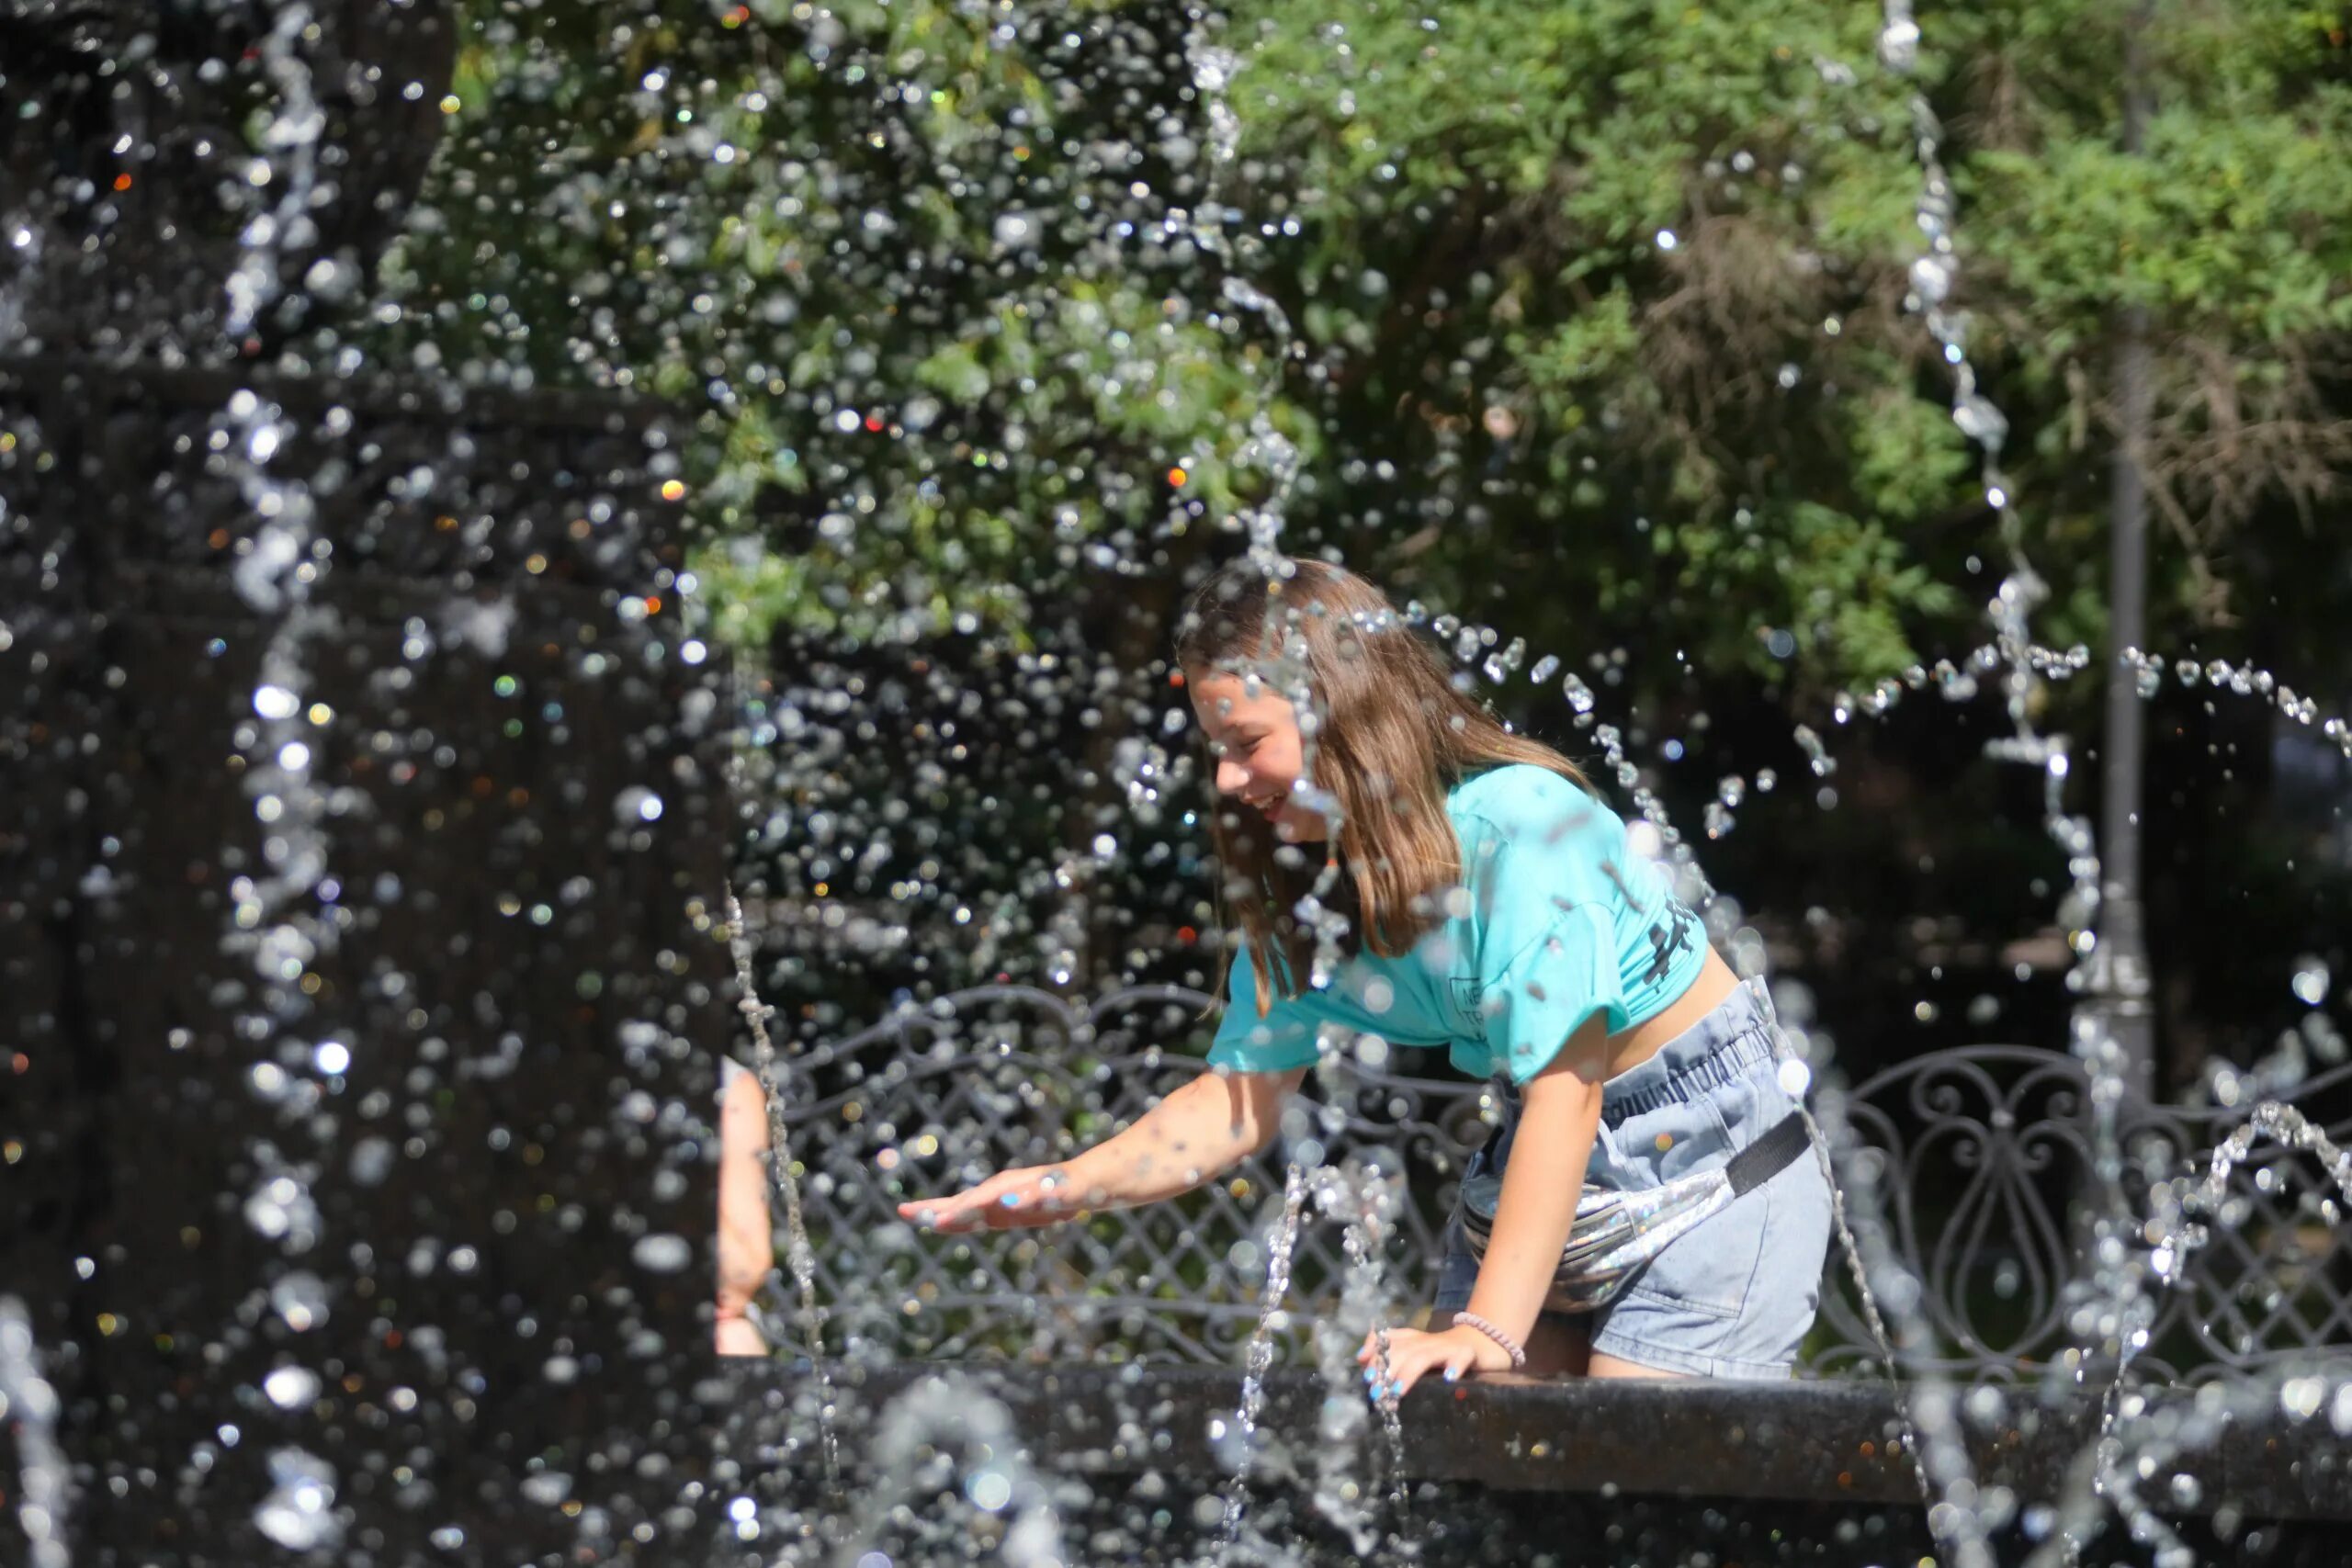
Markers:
point(950, 1215)
point(1010, 1199)
point(955, 1205)
point(1405, 1367)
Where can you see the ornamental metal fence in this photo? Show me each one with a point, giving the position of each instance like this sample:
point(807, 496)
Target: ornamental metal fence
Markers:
point(1985, 1156)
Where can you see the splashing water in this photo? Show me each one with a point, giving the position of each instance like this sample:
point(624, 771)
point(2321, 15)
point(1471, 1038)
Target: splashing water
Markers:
point(279, 767)
point(29, 1403)
point(2120, 1275)
point(2181, 1223)
point(1928, 1409)
point(2021, 663)
point(1367, 1199)
point(1940, 1457)
point(1281, 661)
point(281, 916)
point(911, 1455)
point(291, 140)
point(1259, 1357)
point(298, 1514)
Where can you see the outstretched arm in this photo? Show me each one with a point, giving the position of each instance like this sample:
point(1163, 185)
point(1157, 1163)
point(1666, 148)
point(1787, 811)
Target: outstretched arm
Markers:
point(1190, 1136)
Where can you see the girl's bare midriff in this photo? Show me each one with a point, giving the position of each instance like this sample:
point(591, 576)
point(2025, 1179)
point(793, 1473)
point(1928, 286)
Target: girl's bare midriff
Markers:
point(1642, 1041)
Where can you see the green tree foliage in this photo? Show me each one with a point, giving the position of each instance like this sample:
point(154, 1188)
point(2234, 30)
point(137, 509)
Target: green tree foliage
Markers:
point(1597, 332)
point(1601, 305)
point(911, 262)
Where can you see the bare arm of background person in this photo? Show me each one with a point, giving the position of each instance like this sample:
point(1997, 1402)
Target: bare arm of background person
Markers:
point(746, 1240)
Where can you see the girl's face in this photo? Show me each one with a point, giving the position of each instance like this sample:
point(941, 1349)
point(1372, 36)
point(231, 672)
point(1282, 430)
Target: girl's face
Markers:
point(1256, 743)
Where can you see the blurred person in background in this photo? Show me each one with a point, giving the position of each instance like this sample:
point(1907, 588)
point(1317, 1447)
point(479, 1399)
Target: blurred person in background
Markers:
point(746, 1240)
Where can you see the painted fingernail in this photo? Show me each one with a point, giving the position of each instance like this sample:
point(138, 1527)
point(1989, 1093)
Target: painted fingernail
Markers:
point(1396, 1390)
point(1452, 1374)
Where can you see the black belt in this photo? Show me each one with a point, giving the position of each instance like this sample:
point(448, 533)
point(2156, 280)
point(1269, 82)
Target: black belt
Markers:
point(1768, 1155)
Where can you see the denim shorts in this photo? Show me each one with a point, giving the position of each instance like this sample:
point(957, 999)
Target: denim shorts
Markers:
point(1734, 1297)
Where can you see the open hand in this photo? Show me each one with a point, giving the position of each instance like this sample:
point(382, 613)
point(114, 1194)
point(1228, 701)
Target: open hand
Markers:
point(1010, 1199)
point(1412, 1353)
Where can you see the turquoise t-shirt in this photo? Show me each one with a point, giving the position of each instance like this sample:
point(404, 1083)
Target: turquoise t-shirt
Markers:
point(1557, 919)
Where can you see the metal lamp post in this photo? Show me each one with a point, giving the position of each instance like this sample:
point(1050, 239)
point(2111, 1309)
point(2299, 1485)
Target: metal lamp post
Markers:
point(2119, 987)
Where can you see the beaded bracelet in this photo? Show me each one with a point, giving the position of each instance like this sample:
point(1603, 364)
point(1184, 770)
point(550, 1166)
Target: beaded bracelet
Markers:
point(1472, 1320)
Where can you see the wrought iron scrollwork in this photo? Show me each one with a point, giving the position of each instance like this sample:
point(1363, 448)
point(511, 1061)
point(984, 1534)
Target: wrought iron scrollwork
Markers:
point(1986, 1154)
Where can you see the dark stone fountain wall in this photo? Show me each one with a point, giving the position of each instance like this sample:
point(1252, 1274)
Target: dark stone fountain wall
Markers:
point(120, 122)
point(529, 976)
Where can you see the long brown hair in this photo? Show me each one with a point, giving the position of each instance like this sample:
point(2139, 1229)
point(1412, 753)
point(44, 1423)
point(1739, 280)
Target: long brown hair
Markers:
point(1396, 735)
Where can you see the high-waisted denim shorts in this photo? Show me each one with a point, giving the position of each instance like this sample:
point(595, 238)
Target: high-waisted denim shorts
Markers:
point(1735, 1296)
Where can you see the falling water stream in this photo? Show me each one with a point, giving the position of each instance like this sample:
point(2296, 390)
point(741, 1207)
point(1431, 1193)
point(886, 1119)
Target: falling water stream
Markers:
point(28, 1405)
point(799, 1252)
point(1260, 1359)
point(283, 915)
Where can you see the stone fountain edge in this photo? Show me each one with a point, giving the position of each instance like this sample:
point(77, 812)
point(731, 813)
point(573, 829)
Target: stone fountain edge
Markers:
point(1805, 1441)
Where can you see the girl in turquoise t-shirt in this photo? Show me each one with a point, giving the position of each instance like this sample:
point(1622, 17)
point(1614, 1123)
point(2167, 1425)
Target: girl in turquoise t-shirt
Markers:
point(1646, 1207)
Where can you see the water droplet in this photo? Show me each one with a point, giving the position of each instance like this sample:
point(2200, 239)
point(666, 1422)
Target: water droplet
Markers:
point(1978, 419)
point(1898, 46)
point(2310, 984)
point(1014, 229)
point(1931, 280)
point(300, 1298)
point(988, 1489)
point(298, 1513)
point(663, 1253)
point(371, 1161)
point(635, 804)
point(290, 1387)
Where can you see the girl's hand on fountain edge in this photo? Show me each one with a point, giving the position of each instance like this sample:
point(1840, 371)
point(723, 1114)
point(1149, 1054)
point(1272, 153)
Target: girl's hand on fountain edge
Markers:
point(1413, 1352)
point(1010, 1199)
